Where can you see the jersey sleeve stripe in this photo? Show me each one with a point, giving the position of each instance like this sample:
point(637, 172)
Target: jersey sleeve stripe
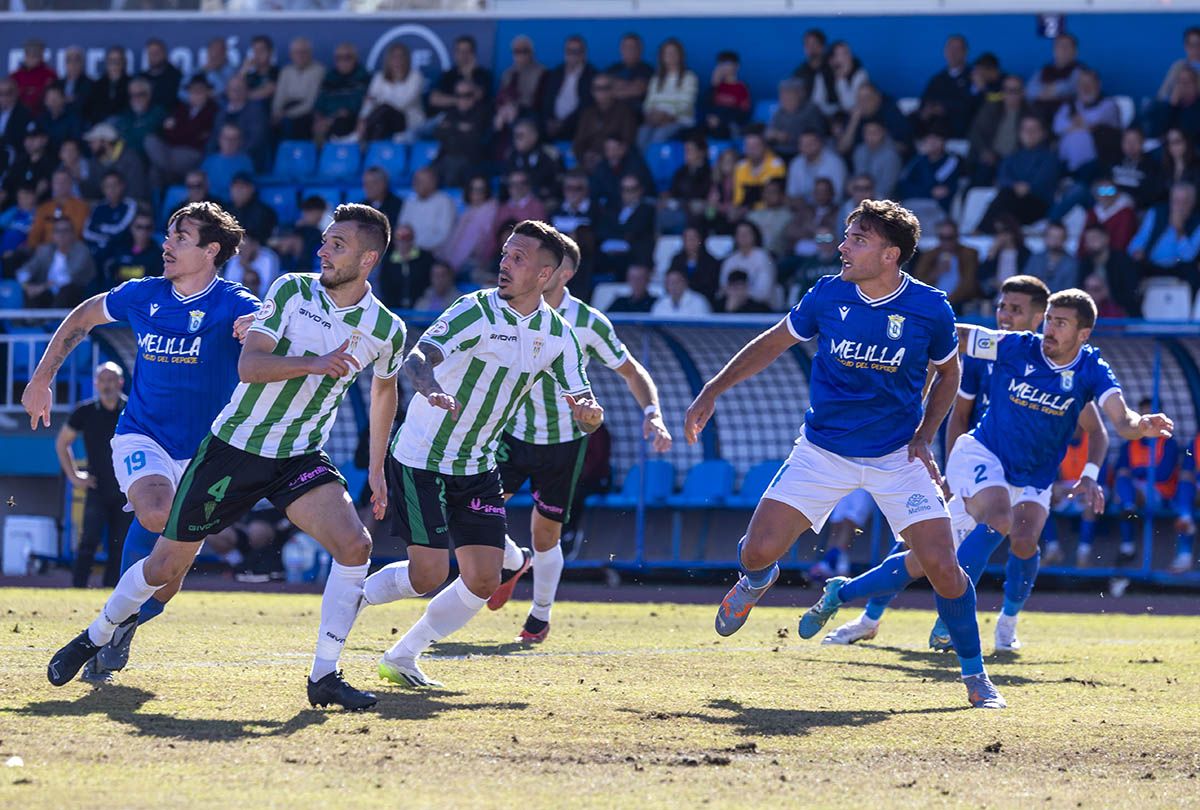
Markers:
point(1116, 389)
point(282, 296)
point(791, 328)
point(964, 395)
point(946, 359)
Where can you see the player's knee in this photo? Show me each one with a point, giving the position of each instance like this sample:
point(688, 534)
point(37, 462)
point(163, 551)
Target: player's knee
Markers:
point(756, 556)
point(154, 518)
point(1001, 521)
point(168, 567)
point(944, 574)
point(482, 583)
point(352, 547)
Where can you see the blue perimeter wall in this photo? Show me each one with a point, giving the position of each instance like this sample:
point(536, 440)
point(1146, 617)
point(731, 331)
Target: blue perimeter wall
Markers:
point(1133, 51)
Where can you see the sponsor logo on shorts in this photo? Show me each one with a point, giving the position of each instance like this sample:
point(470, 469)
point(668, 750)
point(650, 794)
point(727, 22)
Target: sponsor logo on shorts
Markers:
point(482, 508)
point(192, 527)
point(918, 503)
point(545, 507)
point(307, 476)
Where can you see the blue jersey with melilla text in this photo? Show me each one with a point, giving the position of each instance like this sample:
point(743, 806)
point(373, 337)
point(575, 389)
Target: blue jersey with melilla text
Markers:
point(1035, 404)
point(976, 386)
point(186, 365)
point(868, 371)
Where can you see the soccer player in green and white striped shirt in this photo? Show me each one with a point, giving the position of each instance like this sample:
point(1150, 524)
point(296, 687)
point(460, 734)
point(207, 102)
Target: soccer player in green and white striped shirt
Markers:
point(472, 370)
point(310, 339)
point(542, 445)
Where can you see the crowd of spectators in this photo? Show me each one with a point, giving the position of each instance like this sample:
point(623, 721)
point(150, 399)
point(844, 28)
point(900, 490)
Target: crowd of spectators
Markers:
point(750, 193)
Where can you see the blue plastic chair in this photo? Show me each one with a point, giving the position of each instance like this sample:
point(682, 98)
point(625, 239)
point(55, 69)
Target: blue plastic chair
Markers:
point(660, 480)
point(715, 148)
point(664, 159)
point(332, 195)
point(12, 296)
point(423, 153)
point(172, 198)
point(709, 483)
point(456, 194)
point(567, 153)
point(339, 162)
point(757, 479)
point(764, 109)
point(283, 200)
point(390, 157)
point(295, 160)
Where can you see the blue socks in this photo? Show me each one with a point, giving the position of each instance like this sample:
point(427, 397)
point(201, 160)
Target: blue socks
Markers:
point(1019, 576)
point(885, 579)
point(756, 579)
point(1126, 496)
point(977, 549)
point(139, 542)
point(832, 557)
point(959, 617)
point(1087, 532)
point(877, 605)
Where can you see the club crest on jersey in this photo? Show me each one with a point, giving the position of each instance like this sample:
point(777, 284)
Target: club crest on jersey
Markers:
point(895, 326)
point(1067, 380)
point(194, 319)
point(355, 336)
point(538, 343)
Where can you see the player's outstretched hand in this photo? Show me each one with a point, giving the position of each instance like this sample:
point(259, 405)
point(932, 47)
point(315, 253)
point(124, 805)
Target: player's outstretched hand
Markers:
point(586, 410)
point(1088, 493)
point(338, 363)
point(918, 448)
point(37, 400)
point(440, 399)
point(654, 429)
point(1156, 426)
point(697, 416)
point(379, 495)
point(241, 327)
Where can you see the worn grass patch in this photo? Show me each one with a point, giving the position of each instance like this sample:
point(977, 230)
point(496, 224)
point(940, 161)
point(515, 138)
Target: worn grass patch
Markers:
point(624, 705)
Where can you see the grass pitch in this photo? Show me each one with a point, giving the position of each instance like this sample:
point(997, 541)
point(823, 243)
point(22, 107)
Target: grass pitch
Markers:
point(624, 705)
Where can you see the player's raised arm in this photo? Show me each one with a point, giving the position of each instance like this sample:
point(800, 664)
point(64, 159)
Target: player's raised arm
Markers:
point(753, 358)
point(1132, 425)
point(418, 367)
point(976, 341)
point(38, 397)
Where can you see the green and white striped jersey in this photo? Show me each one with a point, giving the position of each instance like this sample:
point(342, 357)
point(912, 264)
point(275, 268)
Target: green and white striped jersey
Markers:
point(493, 356)
point(293, 417)
point(545, 418)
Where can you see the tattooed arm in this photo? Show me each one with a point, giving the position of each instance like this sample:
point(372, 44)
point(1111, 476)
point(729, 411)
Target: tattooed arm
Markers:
point(418, 367)
point(38, 397)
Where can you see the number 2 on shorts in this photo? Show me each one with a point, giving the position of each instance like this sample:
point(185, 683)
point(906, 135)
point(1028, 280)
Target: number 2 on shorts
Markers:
point(980, 473)
point(135, 461)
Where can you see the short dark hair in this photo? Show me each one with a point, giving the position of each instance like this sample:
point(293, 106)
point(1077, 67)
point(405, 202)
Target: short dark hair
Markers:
point(1189, 31)
point(468, 40)
point(988, 59)
point(729, 56)
point(264, 39)
point(570, 250)
point(547, 237)
point(116, 174)
point(1078, 300)
point(1032, 286)
point(818, 34)
point(738, 277)
point(313, 202)
point(214, 224)
point(892, 221)
point(374, 230)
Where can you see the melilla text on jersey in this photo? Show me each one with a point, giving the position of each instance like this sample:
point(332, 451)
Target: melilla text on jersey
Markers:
point(854, 354)
point(160, 349)
point(1032, 397)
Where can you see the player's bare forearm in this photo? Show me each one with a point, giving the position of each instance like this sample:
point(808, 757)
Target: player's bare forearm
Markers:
point(258, 362)
point(66, 458)
point(384, 399)
point(1132, 425)
point(419, 366)
point(639, 382)
point(941, 397)
point(69, 334)
point(753, 358)
point(960, 420)
point(1097, 434)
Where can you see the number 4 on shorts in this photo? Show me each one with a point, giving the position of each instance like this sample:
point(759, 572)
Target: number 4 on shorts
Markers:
point(217, 490)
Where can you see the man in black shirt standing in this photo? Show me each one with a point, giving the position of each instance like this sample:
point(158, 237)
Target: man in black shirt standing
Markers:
point(104, 504)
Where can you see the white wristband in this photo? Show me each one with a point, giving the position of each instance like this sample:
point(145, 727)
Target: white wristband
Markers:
point(650, 411)
point(1091, 471)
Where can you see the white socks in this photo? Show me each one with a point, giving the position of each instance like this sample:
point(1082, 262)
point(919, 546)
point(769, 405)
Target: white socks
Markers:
point(547, 571)
point(513, 558)
point(125, 600)
point(960, 520)
point(389, 584)
point(450, 610)
point(339, 607)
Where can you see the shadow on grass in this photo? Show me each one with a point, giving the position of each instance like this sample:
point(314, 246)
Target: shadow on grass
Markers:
point(461, 649)
point(427, 703)
point(940, 667)
point(773, 721)
point(124, 704)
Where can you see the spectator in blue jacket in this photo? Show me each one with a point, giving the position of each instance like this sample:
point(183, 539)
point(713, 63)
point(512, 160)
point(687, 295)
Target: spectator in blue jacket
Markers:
point(230, 159)
point(250, 119)
point(933, 173)
point(1027, 178)
point(111, 217)
point(1169, 239)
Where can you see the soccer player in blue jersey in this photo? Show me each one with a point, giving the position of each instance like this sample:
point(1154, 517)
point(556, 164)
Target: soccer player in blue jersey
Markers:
point(876, 331)
point(1040, 386)
point(1020, 308)
point(184, 372)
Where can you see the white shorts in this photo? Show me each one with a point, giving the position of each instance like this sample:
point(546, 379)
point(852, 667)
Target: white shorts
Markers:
point(136, 456)
point(813, 480)
point(855, 507)
point(973, 468)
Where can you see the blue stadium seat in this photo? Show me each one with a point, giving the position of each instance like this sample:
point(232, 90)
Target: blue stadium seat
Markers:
point(356, 478)
point(664, 159)
point(423, 153)
point(715, 148)
point(392, 158)
point(757, 479)
point(331, 194)
point(283, 200)
point(295, 160)
point(339, 162)
point(456, 194)
point(567, 153)
point(709, 483)
point(12, 296)
point(660, 480)
point(764, 109)
point(172, 197)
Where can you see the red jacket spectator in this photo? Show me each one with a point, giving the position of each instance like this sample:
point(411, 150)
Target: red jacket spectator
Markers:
point(190, 127)
point(1119, 218)
point(32, 83)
